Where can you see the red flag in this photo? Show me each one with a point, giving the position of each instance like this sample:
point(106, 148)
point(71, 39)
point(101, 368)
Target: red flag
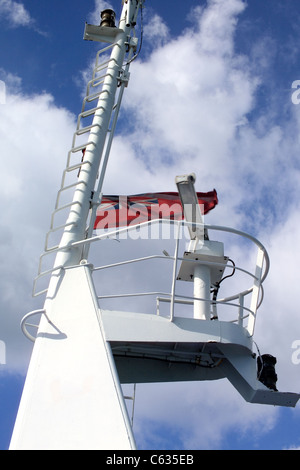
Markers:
point(121, 211)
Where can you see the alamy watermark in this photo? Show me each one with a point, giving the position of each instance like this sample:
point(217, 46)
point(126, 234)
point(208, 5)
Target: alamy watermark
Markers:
point(295, 98)
point(296, 94)
point(149, 221)
point(2, 92)
point(296, 353)
point(2, 353)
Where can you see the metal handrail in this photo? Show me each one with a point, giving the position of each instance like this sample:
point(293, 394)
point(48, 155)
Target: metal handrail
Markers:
point(118, 231)
point(173, 299)
point(258, 279)
point(179, 258)
point(179, 299)
point(24, 324)
point(113, 233)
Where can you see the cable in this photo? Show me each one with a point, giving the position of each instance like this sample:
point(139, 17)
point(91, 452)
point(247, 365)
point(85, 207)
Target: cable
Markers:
point(141, 38)
point(174, 360)
point(261, 360)
point(229, 275)
point(216, 289)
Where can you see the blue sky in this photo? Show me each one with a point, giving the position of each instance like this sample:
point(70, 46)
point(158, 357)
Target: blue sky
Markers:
point(211, 92)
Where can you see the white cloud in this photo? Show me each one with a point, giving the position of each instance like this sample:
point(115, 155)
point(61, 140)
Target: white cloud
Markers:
point(35, 135)
point(156, 31)
point(12, 82)
point(100, 5)
point(278, 323)
point(15, 13)
point(189, 103)
point(217, 26)
point(197, 415)
point(187, 109)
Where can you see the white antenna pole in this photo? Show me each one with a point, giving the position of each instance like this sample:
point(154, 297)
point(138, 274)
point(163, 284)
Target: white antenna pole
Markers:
point(202, 284)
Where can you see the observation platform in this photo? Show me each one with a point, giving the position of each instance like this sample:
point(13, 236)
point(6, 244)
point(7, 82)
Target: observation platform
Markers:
point(158, 339)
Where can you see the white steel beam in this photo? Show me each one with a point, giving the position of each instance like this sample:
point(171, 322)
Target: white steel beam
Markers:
point(72, 398)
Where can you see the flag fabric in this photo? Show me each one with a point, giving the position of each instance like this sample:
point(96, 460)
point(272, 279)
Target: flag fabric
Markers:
point(122, 211)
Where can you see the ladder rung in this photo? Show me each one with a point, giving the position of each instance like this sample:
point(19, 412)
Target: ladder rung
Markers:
point(75, 167)
point(101, 78)
point(89, 112)
point(81, 147)
point(53, 230)
point(94, 91)
point(59, 209)
point(97, 81)
point(70, 167)
point(65, 188)
point(84, 130)
point(94, 96)
point(42, 274)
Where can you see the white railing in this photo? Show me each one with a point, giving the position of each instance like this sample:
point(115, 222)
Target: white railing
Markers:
point(236, 302)
point(25, 325)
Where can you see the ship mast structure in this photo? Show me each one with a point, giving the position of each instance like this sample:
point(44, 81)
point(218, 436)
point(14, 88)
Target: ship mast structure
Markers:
point(72, 398)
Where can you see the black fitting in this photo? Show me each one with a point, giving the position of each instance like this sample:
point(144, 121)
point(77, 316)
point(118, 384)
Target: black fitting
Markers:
point(108, 18)
point(266, 371)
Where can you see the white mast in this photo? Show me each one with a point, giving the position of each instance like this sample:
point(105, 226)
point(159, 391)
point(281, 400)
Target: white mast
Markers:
point(72, 398)
point(78, 216)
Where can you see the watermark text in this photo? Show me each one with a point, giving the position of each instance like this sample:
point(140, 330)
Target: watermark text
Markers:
point(2, 92)
point(296, 353)
point(296, 94)
point(2, 353)
point(138, 219)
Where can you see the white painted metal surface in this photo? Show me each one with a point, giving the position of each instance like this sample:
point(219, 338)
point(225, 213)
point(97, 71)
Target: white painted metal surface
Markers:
point(76, 223)
point(72, 397)
point(202, 291)
point(191, 208)
point(153, 336)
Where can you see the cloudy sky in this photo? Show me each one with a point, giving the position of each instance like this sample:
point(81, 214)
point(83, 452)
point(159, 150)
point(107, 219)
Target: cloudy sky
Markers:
point(214, 92)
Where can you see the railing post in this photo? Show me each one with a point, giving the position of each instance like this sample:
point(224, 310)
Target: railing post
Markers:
point(256, 290)
point(157, 306)
point(174, 271)
point(241, 309)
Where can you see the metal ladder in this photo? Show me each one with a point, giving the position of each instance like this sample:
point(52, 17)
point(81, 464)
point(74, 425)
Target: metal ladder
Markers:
point(75, 159)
